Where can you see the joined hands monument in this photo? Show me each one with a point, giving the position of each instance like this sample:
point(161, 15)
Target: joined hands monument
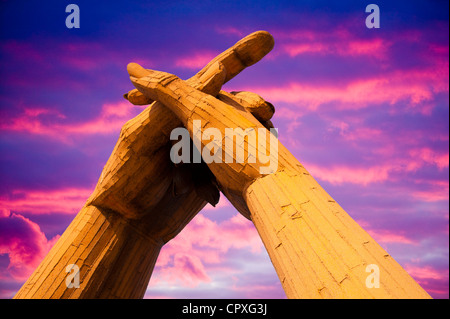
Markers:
point(144, 197)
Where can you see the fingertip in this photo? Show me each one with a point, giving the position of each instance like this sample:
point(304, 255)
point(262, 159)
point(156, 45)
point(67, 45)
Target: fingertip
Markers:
point(254, 47)
point(136, 70)
point(137, 98)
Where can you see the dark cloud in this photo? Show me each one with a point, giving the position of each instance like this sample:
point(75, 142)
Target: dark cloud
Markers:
point(23, 243)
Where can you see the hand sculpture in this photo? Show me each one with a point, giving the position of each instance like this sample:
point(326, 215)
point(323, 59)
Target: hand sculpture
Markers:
point(142, 199)
point(315, 246)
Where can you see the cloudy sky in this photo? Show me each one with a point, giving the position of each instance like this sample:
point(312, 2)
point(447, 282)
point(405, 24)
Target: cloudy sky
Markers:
point(365, 110)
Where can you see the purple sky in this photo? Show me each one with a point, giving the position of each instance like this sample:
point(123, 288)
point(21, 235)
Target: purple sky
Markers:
point(365, 110)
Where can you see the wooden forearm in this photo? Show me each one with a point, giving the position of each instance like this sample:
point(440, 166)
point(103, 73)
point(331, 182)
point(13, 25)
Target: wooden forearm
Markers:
point(317, 249)
point(115, 256)
point(98, 242)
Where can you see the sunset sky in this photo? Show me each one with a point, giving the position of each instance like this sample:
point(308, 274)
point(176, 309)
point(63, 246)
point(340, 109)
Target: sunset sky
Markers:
point(366, 111)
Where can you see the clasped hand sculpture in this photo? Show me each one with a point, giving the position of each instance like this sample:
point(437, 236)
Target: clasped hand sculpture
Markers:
point(143, 199)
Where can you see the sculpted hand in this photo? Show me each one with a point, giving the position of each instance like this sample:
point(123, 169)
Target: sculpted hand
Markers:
point(225, 114)
point(141, 200)
point(317, 249)
point(140, 181)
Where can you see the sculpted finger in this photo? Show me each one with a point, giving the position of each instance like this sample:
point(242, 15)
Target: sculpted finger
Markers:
point(136, 70)
point(260, 108)
point(210, 82)
point(243, 54)
point(137, 98)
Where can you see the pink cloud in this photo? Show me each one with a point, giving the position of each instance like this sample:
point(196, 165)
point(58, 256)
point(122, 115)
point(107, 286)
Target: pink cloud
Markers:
point(301, 48)
point(229, 31)
point(24, 243)
point(207, 243)
point(188, 270)
point(438, 191)
point(196, 61)
point(340, 42)
point(200, 236)
point(439, 49)
point(354, 131)
point(364, 175)
point(375, 48)
point(415, 88)
point(69, 200)
point(110, 120)
point(426, 272)
point(41, 121)
point(35, 112)
point(433, 280)
point(410, 158)
point(387, 236)
point(429, 156)
point(223, 202)
point(349, 174)
point(236, 232)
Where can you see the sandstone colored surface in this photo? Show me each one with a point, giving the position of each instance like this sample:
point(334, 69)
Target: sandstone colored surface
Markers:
point(317, 249)
point(142, 199)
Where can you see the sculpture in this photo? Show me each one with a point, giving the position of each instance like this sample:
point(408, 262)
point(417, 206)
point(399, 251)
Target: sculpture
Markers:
point(142, 199)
